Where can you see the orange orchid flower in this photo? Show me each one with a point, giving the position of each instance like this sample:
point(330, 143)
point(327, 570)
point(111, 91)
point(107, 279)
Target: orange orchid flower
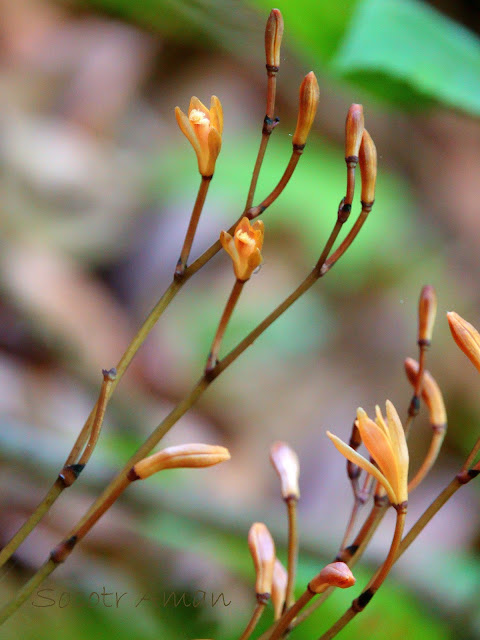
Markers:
point(386, 444)
point(203, 127)
point(244, 247)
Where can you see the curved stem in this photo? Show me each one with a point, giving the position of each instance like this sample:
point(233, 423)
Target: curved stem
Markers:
point(253, 212)
point(252, 623)
point(192, 225)
point(359, 604)
point(222, 326)
point(281, 625)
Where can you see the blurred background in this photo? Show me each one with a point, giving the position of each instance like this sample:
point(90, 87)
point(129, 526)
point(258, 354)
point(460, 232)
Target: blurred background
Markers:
point(97, 185)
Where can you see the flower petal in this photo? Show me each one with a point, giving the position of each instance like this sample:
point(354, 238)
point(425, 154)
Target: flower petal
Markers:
point(216, 114)
point(187, 129)
point(379, 446)
point(195, 103)
point(367, 466)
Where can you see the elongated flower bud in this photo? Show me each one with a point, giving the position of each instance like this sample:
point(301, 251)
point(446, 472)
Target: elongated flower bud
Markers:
point(285, 462)
point(354, 126)
point(466, 336)
point(335, 574)
point(262, 549)
point(309, 97)
point(273, 39)
point(367, 159)
point(279, 588)
point(427, 310)
point(431, 393)
point(184, 455)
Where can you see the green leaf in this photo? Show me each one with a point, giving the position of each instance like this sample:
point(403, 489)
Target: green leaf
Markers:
point(417, 47)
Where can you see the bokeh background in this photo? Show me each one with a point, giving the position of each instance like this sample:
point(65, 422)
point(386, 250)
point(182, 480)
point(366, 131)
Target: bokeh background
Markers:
point(97, 185)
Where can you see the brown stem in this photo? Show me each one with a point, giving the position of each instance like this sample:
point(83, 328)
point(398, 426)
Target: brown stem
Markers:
point(436, 442)
point(253, 212)
point(252, 623)
point(359, 604)
point(350, 237)
point(292, 550)
point(269, 124)
point(290, 614)
point(108, 379)
point(352, 554)
point(414, 406)
point(226, 315)
point(192, 226)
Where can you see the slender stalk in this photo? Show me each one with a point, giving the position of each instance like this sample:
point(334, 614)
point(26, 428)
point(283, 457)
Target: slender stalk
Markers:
point(269, 124)
point(69, 472)
point(183, 406)
point(253, 212)
point(292, 550)
point(108, 379)
point(350, 237)
point(361, 602)
point(351, 555)
point(252, 623)
point(282, 625)
point(414, 406)
point(436, 442)
point(28, 526)
point(192, 226)
point(471, 457)
point(226, 315)
point(27, 590)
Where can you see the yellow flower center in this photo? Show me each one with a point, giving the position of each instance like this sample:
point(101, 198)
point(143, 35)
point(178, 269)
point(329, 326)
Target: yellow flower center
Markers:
point(198, 117)
point(243, 236)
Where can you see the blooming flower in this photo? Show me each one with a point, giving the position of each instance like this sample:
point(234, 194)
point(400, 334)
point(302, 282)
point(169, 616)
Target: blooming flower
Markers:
point(386, 444)
point(244, 247)
point(203, 127)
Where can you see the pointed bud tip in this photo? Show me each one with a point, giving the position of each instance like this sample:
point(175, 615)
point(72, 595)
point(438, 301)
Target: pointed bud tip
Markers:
point(427, 311)
point(335, 574)
point(273, 39)
point(285, 462)
point(309, 96)
point(466, 337)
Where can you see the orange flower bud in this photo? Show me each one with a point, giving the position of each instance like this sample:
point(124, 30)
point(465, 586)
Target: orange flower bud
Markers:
point(273, 39)
point(309, 97)
point(367, 159)
point(184, 455)
point(431, 393)
point(203, 127)
point(244, 248)
point(279, 588)
point(285, 462)
point(353, 133)
point(427, 310)
point(466, 336)
point(335, 574)
point(262, 549)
